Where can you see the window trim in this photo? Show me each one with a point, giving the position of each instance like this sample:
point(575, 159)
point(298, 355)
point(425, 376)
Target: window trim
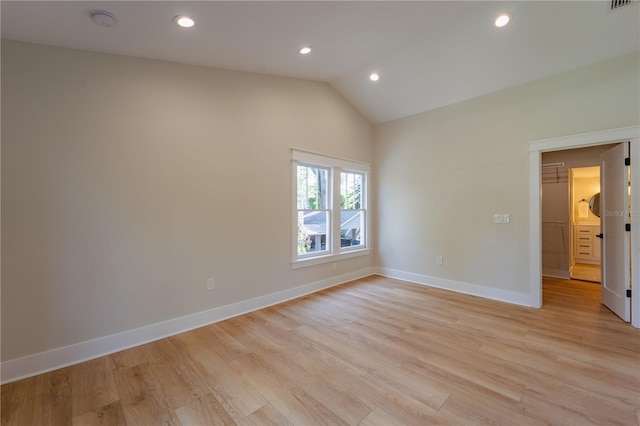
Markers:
point(364, 201)
point(336, 165)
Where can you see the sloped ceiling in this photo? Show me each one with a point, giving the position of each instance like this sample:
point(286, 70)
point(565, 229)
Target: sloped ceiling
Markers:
point(428, 54)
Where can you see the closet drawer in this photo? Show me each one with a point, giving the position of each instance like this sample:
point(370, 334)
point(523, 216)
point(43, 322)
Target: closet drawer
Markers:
point(584, 230)
point(584, 249)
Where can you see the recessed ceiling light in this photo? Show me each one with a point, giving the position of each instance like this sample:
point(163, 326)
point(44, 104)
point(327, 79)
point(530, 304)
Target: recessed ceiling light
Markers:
point(374, 76)
point(305, 50)
point(103, 18)
point(184, 21)
point(502, 20)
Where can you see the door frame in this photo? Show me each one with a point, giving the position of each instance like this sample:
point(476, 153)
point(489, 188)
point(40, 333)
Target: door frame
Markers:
point(536, 148)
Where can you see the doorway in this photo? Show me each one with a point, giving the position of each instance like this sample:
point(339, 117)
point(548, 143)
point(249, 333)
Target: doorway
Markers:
point(536, 149)
point(583, 211)
point(570, 182)
point(584, 214)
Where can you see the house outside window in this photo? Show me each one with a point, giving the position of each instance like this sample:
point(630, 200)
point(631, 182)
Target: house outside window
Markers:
point(313, 209)
point(330, 208)
point(352, 212)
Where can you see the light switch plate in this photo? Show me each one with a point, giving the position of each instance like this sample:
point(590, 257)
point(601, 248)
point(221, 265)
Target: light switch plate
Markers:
point(501, 218)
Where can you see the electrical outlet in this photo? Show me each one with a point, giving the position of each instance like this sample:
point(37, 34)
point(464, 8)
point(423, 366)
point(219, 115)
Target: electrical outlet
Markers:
point(439, 260)
point(211, 284)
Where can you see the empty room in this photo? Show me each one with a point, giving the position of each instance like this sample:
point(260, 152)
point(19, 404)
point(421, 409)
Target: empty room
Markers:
point(320, 212)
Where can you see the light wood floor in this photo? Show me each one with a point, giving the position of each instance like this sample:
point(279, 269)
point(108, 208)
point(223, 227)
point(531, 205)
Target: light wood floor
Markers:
point(375, 351)
point(586, 272)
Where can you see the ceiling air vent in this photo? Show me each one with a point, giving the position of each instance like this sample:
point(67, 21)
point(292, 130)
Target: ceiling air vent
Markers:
point(616, 4)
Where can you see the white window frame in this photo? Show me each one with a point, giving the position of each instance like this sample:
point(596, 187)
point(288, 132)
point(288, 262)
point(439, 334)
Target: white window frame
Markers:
point(327, 210)
point(336, 166)
point(363, 209)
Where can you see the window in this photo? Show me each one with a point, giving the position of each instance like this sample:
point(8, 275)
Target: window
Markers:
point(352, 213)
point(313, 209)
point(330, 218)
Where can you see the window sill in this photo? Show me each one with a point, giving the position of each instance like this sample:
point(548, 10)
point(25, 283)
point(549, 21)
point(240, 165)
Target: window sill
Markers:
point(303, 263)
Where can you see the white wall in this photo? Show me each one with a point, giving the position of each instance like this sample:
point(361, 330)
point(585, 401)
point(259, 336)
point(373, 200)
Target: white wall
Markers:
point(127, 182)
point(442, 174)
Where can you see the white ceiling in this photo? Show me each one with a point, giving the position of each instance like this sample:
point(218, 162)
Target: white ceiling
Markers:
point(428, 53)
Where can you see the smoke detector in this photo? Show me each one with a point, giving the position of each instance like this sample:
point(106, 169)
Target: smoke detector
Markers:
point(103, 18)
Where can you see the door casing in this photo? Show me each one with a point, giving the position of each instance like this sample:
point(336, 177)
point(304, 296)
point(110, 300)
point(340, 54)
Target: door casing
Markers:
point(536, 148)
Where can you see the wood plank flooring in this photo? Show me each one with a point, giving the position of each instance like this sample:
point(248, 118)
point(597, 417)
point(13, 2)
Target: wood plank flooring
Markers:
point(586, 272)
point(372, 352)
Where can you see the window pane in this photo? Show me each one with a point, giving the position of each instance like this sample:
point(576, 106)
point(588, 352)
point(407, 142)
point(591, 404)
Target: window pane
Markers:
point(312, 231)
point(312, 187)
point(351, 226)
point(351, 190)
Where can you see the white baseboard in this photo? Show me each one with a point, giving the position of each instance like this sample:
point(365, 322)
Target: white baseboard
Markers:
point(516, 298)
point(54, 359)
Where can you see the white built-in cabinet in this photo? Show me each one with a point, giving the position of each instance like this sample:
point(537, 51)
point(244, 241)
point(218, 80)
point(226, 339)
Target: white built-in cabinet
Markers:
point(586, 247)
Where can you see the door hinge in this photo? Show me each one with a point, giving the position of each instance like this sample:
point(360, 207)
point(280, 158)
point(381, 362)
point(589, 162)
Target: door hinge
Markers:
point(627, 161)
point(629, 293)
point(627, 227)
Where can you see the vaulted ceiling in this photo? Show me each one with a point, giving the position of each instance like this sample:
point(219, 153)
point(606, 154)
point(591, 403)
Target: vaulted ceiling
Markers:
point(428, 53)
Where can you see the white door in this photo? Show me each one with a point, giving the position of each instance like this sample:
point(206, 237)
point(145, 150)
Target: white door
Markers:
point(614, 215)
